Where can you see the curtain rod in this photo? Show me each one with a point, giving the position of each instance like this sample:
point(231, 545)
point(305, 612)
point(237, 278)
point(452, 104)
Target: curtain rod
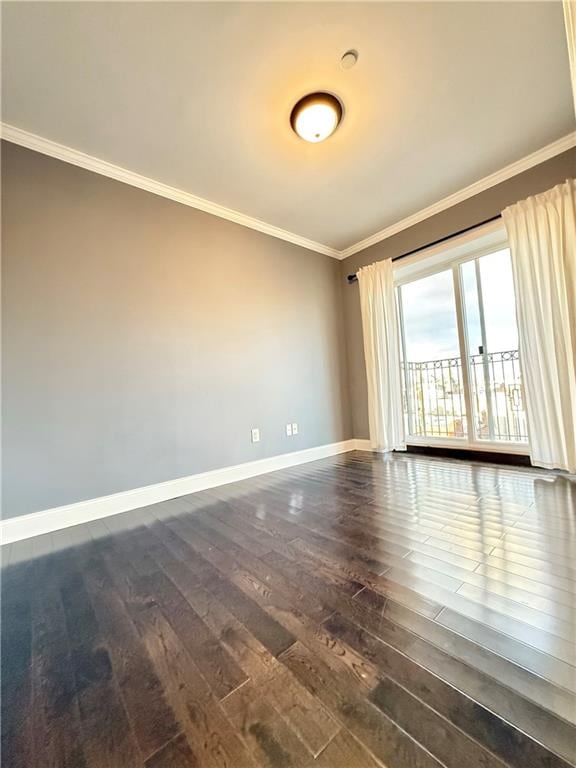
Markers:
point(353, 278)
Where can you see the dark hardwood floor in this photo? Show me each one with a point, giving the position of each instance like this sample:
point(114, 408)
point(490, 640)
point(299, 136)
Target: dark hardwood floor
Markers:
point(355, 612)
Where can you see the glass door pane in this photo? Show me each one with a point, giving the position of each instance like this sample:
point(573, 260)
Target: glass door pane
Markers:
point(432, 367)
point(494, 371)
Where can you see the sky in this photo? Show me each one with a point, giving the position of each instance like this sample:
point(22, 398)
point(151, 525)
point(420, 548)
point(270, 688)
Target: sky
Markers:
point(429, 311)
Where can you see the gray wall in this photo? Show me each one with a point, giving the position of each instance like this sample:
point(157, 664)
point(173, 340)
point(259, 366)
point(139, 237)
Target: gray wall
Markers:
point(143, 339)
point(466, 214)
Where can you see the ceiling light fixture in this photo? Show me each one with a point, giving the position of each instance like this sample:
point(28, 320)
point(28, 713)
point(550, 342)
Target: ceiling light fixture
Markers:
point(316, 116)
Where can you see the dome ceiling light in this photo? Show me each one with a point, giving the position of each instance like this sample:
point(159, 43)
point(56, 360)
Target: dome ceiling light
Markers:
point(316, 116)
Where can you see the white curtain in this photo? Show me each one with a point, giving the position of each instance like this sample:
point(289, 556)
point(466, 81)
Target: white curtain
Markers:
point(382, 353)
point(542, 235)
point(570, 19)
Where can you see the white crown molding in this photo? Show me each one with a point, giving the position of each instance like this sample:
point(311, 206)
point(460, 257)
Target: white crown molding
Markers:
point(73, 156)
point(37, 523)
point(90, 163)
point(524, 164)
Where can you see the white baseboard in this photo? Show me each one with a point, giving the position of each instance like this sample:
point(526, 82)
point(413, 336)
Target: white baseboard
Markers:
point(48, 520)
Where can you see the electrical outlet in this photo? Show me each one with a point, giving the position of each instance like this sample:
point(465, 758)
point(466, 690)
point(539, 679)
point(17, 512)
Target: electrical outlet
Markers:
point(288, 430)
point(294, 428)
point(255, 435)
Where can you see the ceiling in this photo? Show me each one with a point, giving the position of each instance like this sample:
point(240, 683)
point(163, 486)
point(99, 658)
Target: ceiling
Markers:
point(198, 95)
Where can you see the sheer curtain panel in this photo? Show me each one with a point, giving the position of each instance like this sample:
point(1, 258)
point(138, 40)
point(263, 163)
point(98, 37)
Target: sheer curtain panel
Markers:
point(542, 235)
point(382, 353)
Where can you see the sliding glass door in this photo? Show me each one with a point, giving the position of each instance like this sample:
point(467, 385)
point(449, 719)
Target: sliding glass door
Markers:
point(460, 363)
point(496, 387)
point(432, 369)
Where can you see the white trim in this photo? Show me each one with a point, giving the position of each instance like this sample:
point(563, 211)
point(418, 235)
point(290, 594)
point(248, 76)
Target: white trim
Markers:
point(26, 526)
point(524, 164)
point(90, 163)
point(362, 445)
point(461, 444)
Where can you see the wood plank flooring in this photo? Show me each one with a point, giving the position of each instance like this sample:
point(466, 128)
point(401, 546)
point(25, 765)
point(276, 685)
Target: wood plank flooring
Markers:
point(356, 612)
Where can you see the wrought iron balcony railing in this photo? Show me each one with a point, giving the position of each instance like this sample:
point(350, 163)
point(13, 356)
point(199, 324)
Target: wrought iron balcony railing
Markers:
point(435, 404)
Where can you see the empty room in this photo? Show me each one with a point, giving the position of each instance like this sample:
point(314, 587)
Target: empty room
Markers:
point(288, 384)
